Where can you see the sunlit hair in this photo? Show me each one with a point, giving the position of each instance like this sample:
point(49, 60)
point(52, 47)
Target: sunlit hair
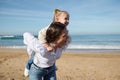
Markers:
point(58, 12)
point(54, 31)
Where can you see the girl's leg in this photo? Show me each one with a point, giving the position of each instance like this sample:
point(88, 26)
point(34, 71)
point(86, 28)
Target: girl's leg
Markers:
point(30, 61)
point(28, 65)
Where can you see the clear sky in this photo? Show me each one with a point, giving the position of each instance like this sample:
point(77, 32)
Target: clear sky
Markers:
point(86, 16)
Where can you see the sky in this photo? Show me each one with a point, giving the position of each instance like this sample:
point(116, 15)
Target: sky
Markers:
point(86, 16)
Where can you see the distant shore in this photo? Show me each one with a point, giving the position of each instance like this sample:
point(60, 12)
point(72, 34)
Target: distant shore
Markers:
point(71, 65)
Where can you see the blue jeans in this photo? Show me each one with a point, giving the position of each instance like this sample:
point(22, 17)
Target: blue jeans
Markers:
point(37, 73)
point(30, 61)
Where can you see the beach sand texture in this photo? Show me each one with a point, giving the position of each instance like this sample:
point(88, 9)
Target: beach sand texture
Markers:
point(71, 66)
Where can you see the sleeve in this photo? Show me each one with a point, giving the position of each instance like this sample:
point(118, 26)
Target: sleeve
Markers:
point(64, 47)
point(42, 35)
point(29, 51)
point(33, 43)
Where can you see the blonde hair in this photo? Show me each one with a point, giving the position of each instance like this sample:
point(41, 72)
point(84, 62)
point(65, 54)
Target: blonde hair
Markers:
point(58, 12)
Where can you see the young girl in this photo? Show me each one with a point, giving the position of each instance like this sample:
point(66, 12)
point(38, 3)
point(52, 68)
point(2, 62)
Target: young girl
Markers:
point(43, 66)
point(59, 16)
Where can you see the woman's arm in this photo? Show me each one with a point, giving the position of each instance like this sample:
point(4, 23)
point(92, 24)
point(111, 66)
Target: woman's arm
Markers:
point(30, 51)
point(33, 43)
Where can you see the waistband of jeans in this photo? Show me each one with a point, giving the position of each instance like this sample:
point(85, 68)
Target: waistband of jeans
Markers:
point(41, 67)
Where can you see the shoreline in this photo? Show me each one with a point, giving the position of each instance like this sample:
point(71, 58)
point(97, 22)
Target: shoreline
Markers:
point(67, 50)
point(71, 65)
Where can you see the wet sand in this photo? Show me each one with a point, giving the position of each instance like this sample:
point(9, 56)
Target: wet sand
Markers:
point(71, 66)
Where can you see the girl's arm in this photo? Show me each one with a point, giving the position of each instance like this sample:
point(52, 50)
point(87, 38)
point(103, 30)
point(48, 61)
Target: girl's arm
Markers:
point(41, 37)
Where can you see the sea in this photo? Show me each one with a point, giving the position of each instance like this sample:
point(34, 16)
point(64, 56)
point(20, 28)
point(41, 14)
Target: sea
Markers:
point(79, 43)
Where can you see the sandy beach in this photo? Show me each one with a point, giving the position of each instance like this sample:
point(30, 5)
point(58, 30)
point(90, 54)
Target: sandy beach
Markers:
point(71, 66)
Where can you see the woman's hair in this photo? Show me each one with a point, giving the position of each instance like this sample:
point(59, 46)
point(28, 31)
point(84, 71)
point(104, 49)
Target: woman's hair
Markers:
point(54, 31)
point(58, 12)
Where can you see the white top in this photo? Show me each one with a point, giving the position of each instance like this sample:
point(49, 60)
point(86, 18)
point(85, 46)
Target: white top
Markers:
point(29, 51)
point(42, 35)
point(42, 57)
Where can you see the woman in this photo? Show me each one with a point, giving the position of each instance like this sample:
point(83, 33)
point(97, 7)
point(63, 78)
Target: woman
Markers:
point(59, 16)
point(44, 61)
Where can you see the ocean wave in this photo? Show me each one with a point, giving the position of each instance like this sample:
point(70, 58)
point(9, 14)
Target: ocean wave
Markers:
point(76, 47)
point(79, 48)
point(7, 36)
point(94, 47)
point(15, 47)
point(11, 37)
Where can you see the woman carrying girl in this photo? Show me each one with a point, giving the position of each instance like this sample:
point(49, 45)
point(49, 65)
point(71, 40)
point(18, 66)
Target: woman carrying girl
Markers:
point(59, 16)
point(43, 66)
